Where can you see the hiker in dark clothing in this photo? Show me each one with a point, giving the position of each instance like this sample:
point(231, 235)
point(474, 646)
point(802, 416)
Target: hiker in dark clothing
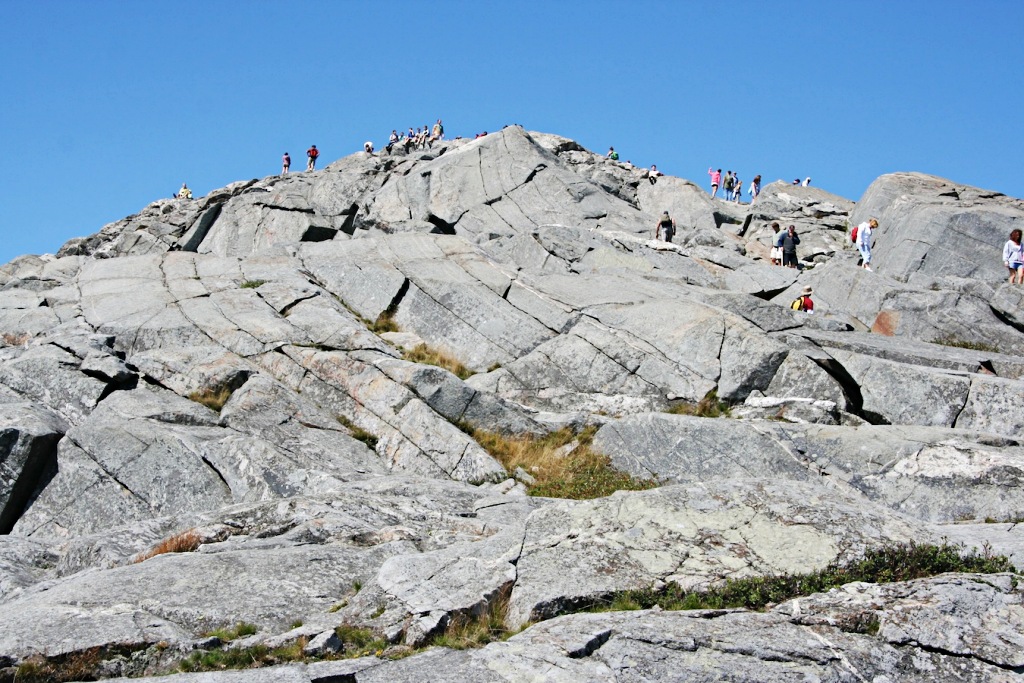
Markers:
point(789, 242)
point(666, 224)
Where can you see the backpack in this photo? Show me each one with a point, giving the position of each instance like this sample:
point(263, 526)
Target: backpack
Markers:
point(853, 234)
point(798, 303)
point(729, 182)
point(314, 152)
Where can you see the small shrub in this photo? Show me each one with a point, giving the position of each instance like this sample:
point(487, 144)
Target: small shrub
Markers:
point(709, 406)
point(358, 433)
point(185, 542)
point(950, 340)
point(296, 624)
point(253, 284)
point(385, 322)
point(75, 666)
point(425, 354)
point(580, 474)
point(888, 564)
point(1016, 518)
point(214, 399)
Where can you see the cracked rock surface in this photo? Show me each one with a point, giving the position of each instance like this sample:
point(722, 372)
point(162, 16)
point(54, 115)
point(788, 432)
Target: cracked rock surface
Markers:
point(210, 414)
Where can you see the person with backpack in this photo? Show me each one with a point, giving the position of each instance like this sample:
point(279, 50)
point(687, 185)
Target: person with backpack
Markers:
point(667, 224)
point(789, 241)
point(804, 302)
point(1013, 257)
point(311, 154)
point(716, 178)
point(612, 154)
point(730, 181)
point(861, 236)
point(286, 163)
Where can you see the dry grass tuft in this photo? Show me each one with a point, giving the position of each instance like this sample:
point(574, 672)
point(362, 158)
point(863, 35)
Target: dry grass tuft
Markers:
point(560, 470)
point(709, 406)
point(213, 399)
point(185, 542)
point(425, 354)
point(476, 630)
point(11, 339)
point(358, 433)
point(385, 322)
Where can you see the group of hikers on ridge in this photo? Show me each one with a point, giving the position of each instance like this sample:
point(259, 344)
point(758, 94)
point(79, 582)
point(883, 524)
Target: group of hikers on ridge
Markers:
point(733, 185)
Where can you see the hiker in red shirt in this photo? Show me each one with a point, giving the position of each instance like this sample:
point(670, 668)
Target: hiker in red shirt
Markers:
point(312, 153)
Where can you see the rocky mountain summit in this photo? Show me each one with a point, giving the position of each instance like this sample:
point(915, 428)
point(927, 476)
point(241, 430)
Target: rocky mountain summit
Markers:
point(219, 433)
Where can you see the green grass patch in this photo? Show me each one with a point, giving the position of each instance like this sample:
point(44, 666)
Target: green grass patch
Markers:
point(709, 406)
point(359, 642)
point(950, 340)
point(358, 433)
point(425, 354)
point(253, 284)
point(888, 564)
point(212, 398)
point(239, 630)
point(580, 473)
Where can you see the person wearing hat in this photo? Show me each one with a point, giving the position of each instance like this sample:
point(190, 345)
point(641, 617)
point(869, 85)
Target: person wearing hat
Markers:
point(666, 223)
point(804, 302)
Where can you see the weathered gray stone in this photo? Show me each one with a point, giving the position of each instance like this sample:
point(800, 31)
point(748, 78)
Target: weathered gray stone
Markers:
point(929, 473)
point(28, 453)
point(686, 449)
point(902, 394)
point(934, 226)
point(576, 553)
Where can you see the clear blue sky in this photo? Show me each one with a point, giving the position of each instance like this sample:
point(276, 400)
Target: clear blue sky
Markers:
point(108, 106)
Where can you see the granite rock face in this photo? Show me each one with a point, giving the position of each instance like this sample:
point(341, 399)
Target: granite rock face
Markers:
point(228, 410)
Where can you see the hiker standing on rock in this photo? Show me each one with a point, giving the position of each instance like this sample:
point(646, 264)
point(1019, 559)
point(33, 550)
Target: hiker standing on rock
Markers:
point(716, 178)
point(1013, 257)
point(789, 241)
point(737, 190)
point(776, 252)
point(667, 224)
point(311, 154)
point(863, 241)
point(286, 163)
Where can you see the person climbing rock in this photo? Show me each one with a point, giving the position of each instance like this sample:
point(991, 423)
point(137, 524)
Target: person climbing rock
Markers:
point(311, 154)
point(716, 178)
point(864, 231)
point(1013, 257)
point(368, 147)
point(666, 224)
